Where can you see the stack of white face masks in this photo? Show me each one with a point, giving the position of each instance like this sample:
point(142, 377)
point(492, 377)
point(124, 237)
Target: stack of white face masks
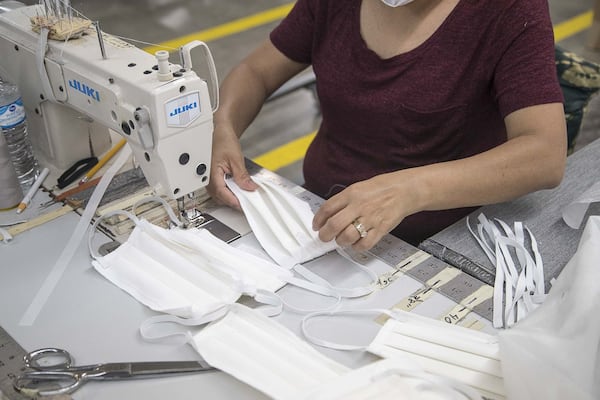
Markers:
point(450, 351)
point(519, 283)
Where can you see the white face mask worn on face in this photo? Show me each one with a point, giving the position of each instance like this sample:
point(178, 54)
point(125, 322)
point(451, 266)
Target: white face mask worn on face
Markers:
point(396, 3)
point(451, 351)
point(282, 223)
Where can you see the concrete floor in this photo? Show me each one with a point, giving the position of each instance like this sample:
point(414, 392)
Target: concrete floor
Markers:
point(295, 115)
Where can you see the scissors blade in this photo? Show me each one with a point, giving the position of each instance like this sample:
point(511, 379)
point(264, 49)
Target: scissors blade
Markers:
point(168, 367)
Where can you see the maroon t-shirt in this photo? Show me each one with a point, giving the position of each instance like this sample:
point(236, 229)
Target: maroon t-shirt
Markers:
point(444, 100)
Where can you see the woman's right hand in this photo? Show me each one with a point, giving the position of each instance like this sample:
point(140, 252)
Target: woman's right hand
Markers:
point(227, 158)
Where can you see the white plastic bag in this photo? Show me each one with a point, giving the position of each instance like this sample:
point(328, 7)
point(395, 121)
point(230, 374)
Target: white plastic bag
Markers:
point(553, 354)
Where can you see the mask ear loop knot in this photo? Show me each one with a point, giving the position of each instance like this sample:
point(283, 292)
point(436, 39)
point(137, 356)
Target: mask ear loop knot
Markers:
point(172, 216)
point(95, 255)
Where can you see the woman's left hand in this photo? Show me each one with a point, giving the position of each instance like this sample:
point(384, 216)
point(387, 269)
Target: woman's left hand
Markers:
point(364, 212)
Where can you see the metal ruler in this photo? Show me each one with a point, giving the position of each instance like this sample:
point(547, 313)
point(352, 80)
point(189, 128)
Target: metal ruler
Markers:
point(11, 365)
point(466, 287)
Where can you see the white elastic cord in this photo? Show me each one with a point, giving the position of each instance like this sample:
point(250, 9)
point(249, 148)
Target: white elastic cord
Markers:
point(150, 199)
point(333, 345)
point(272, 303)
point(315, 283)
point(6, 236)
point(78, 234)
point(95, 255)
point(319, 286)
point(40, 56)
point(150, 332)
point(518, 288)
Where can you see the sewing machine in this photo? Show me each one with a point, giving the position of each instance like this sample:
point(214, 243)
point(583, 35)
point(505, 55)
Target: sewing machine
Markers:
point(75, 90)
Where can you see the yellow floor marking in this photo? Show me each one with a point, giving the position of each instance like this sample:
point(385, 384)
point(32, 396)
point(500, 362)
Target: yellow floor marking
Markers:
point(285, 155)
point(228, 29)
point(573, 26)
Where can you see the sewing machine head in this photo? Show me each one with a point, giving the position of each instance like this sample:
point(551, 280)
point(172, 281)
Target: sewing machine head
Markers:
point(76, 90)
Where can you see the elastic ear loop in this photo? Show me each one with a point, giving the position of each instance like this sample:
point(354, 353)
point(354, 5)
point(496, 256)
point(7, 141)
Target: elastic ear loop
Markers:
point(320, 286)
point(157, 199)
point(339, 346)
point(175, 336)
point(95, 255)
point(317, 284)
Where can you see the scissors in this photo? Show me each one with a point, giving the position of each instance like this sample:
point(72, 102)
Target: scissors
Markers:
point(54, 372)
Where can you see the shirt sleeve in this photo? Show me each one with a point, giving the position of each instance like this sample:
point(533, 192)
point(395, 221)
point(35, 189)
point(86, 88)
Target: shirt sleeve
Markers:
point(526, 72)
point(294, 36)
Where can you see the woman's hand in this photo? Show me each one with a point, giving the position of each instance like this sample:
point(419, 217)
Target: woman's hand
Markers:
point(227, 158)
point(374, 206)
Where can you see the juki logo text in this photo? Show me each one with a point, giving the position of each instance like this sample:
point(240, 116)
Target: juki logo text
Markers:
point(183, 109)
point(85, 89)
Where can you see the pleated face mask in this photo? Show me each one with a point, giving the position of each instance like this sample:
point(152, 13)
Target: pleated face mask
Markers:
point(458, 354)
point(165, 280)
point(263, 354)
point(281, 222)
point(200, 246)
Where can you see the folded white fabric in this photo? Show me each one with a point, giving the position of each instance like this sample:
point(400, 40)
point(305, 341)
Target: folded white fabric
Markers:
point(264, 354)
point(281, 222)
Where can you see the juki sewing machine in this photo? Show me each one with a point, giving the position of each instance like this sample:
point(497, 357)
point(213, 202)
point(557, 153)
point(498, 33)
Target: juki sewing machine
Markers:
point(78, 82)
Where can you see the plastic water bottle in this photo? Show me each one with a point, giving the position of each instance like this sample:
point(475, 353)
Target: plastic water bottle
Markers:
point(14, 129)
point(10, 189)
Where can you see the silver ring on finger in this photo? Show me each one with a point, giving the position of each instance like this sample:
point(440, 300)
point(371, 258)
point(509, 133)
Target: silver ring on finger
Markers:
point(362, 231)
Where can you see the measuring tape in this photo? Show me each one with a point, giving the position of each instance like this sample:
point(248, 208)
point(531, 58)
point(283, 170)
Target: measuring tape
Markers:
point(11, 365)
point(465, 286)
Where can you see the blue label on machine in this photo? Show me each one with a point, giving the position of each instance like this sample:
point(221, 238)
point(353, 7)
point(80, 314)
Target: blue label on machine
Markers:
point(12, 114)
point(183, 110)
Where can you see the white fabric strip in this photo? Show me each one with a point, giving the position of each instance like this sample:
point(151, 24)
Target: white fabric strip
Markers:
point(65, 257)
point(519, 286)
point(6, 236)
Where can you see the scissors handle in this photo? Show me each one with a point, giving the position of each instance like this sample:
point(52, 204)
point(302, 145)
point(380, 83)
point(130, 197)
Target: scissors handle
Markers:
point(56, 359)
point(31, 383)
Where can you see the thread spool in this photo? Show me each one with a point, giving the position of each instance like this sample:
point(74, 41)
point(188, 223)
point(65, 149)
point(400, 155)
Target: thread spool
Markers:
point(10, 189)
point(164, 69)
